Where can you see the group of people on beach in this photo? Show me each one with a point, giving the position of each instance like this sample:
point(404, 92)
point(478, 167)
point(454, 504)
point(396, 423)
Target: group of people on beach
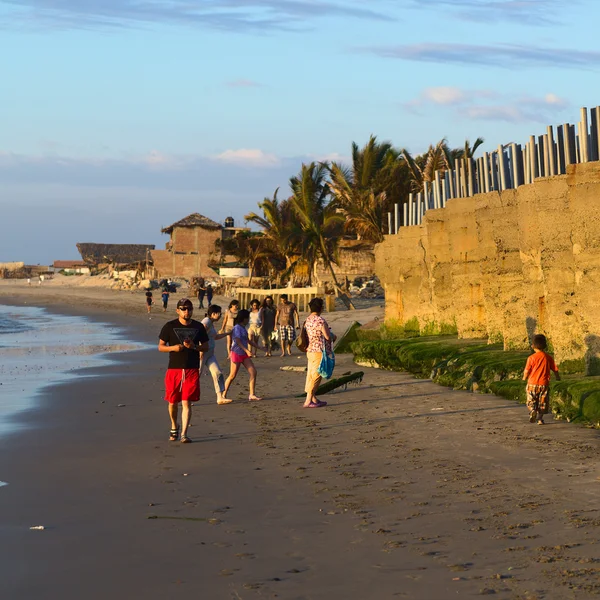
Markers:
point(191, 346)
point(267, 322)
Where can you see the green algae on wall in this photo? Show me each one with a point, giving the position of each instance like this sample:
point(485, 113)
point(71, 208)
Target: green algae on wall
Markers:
point(475, 365)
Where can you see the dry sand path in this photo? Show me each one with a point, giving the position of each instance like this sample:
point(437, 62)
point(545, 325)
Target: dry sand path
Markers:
point(399, 489)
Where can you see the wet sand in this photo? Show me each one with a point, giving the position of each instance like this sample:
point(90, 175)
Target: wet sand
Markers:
point(398, 489)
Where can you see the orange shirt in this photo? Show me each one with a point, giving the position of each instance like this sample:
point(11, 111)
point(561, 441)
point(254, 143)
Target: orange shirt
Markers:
point(539, 366)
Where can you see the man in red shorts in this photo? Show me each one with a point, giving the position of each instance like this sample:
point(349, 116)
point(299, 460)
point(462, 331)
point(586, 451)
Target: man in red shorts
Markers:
point(184, 339)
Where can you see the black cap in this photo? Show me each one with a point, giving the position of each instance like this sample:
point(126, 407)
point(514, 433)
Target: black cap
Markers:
point(184, 302)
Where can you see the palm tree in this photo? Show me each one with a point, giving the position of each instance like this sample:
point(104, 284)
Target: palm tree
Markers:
point(423, 167)
point(361, 191)
point(469, 151)
point(321, 223)
point(280, 230)
point(437, 158)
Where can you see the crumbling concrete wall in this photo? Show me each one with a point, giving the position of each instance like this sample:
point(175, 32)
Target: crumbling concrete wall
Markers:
point(356, 259)
point(505, 265)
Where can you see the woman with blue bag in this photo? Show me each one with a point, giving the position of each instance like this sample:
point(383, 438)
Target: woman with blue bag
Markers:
point(319, 353)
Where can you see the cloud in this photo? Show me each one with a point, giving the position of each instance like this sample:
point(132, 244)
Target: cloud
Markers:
point(527, 12)
point(524, 110)
point(445, 96)
point(248, 16)
point(484, 104)
point(248, 157)
point(508, 56)
point(243, 83)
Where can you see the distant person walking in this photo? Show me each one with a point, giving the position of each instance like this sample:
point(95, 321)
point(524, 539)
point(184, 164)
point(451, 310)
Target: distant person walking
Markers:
point(149, 300)
point(209, 294)
point(255, 324)
point(184, 339)
point(268, 323)
point(288, 321)
point(165, 299)
point(229, 321)
point(201, 292)
point(320, 337)
point(537, 372)
point(29, 281)
point(241, 354)
point(208, 358)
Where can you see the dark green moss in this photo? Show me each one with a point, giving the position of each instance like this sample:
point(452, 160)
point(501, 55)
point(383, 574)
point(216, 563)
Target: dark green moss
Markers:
point(477, 365)
point(342, 346)
point(573, 366)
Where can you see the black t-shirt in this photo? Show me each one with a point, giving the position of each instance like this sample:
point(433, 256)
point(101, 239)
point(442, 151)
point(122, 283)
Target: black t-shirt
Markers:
point(173, 333)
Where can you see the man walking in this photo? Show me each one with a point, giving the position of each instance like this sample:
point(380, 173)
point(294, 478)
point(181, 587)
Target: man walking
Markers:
point(201, 293)
point(184, 339)
point(286, 317)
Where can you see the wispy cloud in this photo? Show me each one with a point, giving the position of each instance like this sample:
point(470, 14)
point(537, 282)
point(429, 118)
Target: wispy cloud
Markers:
point(526, 12)
point(508, 56)
point(243, 83)
point(524, 110)
point(248, 16)
point(249, 157)
point(485, 104)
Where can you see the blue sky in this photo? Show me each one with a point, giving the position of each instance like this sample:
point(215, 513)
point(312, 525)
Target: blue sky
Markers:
point(123, 116)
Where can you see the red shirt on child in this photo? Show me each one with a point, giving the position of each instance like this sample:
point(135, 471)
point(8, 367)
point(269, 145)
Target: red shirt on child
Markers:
point(539, 366)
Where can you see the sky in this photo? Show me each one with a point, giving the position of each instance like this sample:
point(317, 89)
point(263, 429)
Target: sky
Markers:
point(120, 117)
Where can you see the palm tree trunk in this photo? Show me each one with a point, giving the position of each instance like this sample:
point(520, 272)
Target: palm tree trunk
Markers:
point(251, 275)
point(338, 290)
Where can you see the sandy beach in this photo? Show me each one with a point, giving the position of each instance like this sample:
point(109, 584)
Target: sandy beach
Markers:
point(398, 489)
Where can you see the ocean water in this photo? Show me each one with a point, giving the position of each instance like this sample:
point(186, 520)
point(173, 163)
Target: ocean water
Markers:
point(38, 348)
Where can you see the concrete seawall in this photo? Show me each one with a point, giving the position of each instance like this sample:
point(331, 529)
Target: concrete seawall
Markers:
point(504, 265)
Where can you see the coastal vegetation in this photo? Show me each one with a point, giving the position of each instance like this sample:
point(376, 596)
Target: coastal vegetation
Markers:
point(330, 201)
point(470, 364)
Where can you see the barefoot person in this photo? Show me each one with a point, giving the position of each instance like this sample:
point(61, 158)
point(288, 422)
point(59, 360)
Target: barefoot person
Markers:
point(288, 321)
point(149, 300)
point(537, 374)
point(165, 298)
point(255, 324)
point(268, 323)
point(320, 336)
point(241, 354)
point(208, 358)
point(229, 321)
point(184, 339)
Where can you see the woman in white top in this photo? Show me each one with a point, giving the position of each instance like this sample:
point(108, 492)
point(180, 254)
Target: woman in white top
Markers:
point(255, 324)
point(229, 321)
point(208, 358)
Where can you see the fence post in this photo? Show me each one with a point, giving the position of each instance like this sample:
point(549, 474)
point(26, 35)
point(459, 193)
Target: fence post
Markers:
point(551, 151)
point(418, 208)
point(595, 134)
point(405, 212)
point(572, 145)
point(390, 223)
point(436, 190)
point(583, 136)
point(560, 150)
point(502, 168)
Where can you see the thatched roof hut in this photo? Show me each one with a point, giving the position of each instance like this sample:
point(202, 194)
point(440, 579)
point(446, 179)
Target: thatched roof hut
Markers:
point(117, 254)
point(193, 220)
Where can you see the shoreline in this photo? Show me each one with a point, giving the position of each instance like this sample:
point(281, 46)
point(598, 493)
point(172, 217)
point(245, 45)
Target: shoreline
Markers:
point(399, 488)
